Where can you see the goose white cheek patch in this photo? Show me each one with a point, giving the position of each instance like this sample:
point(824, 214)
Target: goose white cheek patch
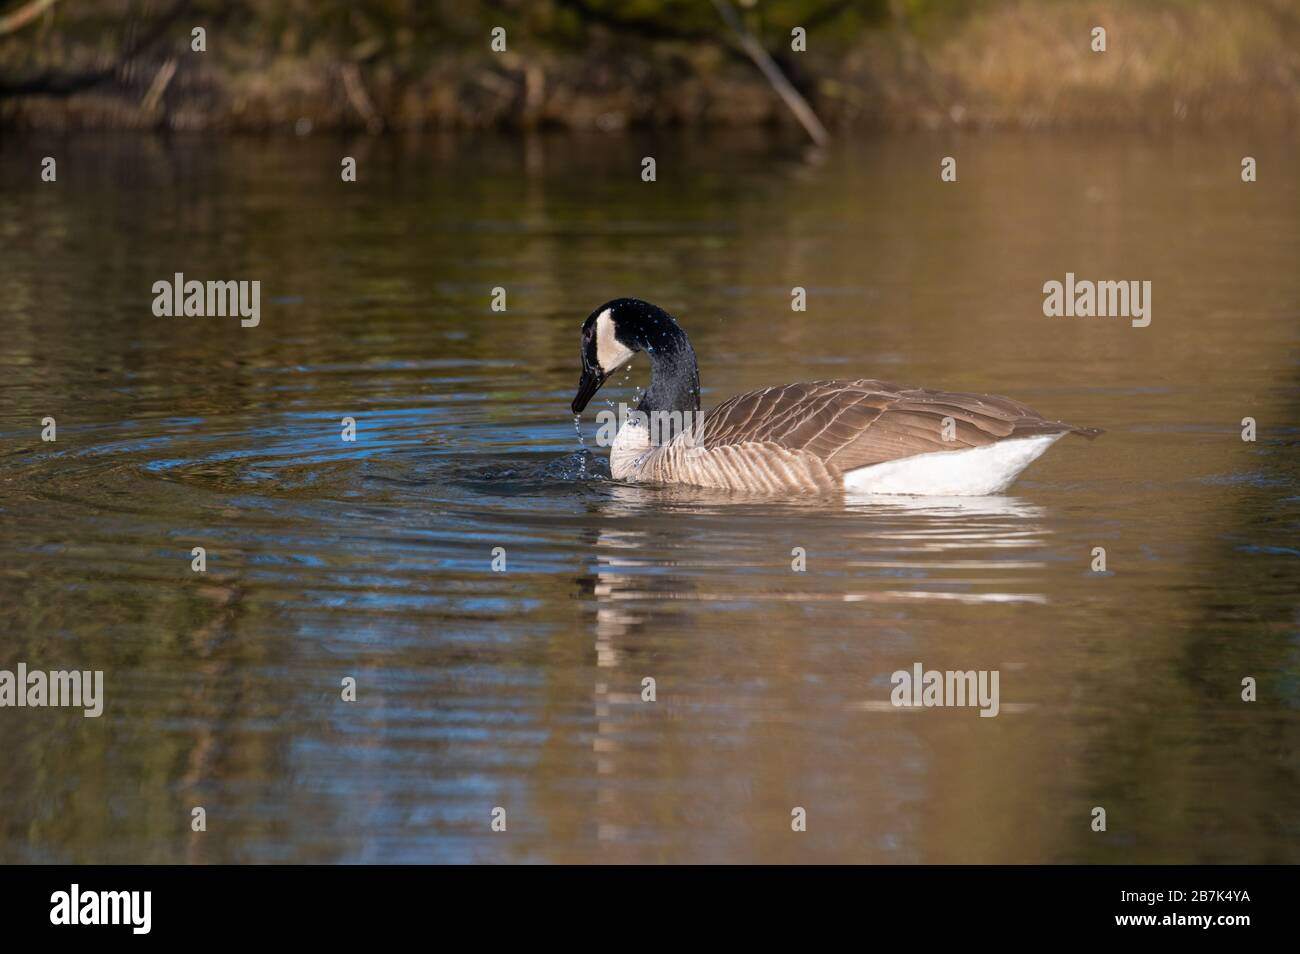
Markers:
point(610, 352)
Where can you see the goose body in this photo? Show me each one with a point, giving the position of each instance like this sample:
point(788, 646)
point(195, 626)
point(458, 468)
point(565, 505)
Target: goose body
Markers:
point(863, 435)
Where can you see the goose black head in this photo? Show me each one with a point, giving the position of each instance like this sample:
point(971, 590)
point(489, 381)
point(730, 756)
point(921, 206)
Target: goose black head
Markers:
point(619, 329)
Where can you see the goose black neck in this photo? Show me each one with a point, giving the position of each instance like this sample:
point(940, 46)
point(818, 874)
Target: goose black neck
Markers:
point(674, 376)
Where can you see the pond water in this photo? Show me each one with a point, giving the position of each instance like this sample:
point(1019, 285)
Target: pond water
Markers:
point(523, 689)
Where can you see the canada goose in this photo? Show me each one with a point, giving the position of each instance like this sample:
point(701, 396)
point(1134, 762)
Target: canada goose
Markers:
point(865, 436)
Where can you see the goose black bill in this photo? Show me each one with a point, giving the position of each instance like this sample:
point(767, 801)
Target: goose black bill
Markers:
point(588, 385)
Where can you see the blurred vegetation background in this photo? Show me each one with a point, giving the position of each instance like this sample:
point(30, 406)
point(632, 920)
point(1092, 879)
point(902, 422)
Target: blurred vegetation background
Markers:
point(607, 64)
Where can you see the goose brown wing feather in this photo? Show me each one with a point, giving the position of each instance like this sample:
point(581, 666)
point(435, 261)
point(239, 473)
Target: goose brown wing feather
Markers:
point(851, 424)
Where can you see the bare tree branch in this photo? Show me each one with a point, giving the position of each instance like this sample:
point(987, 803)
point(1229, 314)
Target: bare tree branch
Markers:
point(763, 60)
point(24, 15)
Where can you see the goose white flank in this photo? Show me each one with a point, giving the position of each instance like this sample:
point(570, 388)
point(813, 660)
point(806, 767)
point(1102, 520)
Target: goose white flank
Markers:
point(861, 435)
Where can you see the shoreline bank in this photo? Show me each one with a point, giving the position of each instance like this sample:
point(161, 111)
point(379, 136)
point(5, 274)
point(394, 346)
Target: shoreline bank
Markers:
point(1002, 65)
